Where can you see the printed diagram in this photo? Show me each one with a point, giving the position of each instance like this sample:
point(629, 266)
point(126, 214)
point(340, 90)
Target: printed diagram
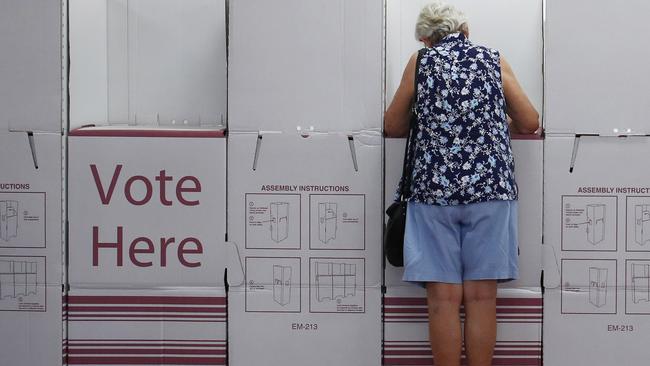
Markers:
point(282, 284)
point(598, 286)
point(22, 220)
point(642, 224)
point(326, 221)
point(589, 223)
point(22, 285)
point(637, 296)
point(335, 280)
point(337, 285)
point(272, 221)
point(589, 286)
point(8, 220)
point(638, 224)
point(272, 285)
point(337, 221)
point(640, 282)
point(279, 223)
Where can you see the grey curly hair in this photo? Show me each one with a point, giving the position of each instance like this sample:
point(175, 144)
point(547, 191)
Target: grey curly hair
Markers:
point(439, 19)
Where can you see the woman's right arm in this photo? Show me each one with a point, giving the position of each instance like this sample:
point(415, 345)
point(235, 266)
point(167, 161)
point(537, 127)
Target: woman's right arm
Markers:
point(398, 114)
point(525, 119)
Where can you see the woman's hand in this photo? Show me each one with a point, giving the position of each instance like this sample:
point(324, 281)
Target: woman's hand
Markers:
point(524, 117)
point(398, 114)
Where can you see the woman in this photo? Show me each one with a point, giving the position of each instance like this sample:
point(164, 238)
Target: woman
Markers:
point(461, 231)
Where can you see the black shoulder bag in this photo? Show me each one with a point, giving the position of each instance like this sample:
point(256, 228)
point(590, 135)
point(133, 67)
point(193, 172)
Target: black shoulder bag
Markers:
point(396, 224)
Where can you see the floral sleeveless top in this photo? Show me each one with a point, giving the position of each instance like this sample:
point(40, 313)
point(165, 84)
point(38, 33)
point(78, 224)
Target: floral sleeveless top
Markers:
point(460, 145)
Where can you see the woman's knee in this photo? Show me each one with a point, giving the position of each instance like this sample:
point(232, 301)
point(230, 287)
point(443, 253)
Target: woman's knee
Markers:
point(444, 293)
point(479, 291)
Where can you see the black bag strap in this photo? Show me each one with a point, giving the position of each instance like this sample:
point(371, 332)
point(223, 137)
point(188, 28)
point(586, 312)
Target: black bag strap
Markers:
point(407, 165)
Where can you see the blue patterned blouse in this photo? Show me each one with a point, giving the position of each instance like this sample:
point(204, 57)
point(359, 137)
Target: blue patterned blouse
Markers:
point(461, 148)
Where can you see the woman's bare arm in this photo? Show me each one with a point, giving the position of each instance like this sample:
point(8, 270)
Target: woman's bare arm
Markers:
point(525, 119)
point(396, 118)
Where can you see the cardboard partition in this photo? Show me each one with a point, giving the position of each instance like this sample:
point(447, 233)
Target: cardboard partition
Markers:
point(519, 327)
point(147, 208)
point(595, 197)
point(181, 326)
point(513, 27)
point(305, 213)
point(148, 62)
point(31, 251)
point(528, 152)
point(602, 93)
point(295, 63)
point(32, 70)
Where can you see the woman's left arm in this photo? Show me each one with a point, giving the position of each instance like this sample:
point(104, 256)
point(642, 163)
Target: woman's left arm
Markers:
point(398, 114)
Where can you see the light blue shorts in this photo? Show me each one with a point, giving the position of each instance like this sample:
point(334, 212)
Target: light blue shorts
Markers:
point(452, 244)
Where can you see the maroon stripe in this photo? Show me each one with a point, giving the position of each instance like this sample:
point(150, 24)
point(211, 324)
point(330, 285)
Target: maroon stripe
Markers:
point(170, 344)
point(495, 362)
point(147, 300)
point(171, 309)
point(499, 310)
point(147, 316)
point(149, 351)
point(180, 133)
point(148, 320)
point(144, 340)
point(426, 345)
point(146, 360)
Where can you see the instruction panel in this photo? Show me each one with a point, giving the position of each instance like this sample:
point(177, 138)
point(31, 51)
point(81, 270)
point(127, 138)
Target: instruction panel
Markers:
point(273, 221)
point(22, 220)
point(273, 285)
point(337, 221)
point(588, 286)
point(22, 284)
point(637, 238)
point(338, 285)
point(589, 223)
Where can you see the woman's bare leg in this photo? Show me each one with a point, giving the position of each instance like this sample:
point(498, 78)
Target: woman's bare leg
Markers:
point(480, 300)
point(444, 301)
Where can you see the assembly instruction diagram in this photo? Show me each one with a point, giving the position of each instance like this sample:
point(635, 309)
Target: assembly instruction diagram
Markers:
point(22, 283)
point(589, 286)
point(589, 223)
point(637, 224)
point(637, 297)
point(337, 221)
point(337, 285)
point(272, 221)
point(273, 285)
point(22, 220)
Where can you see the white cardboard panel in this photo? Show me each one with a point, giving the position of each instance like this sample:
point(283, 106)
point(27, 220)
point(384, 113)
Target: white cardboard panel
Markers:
point(185, 326)
point(148, 61)
point(595, 224)
point(519, 327)
point(30, 204)
point(513, 27)
point(33, 337)
point(308, 229)
point(31, 71)
point(170, 191)
point(596, 83)
point(320, 65)
point(528, 171)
